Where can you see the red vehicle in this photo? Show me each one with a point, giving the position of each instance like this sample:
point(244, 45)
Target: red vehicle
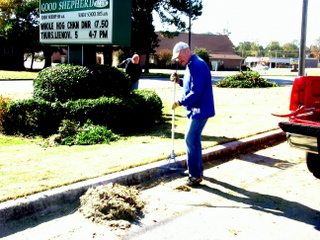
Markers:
point(303, 126)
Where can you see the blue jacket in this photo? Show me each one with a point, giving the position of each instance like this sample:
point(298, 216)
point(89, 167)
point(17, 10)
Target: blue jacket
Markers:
point(198, 93)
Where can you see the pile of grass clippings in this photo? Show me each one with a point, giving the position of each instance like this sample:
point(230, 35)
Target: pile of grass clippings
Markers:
point(183, 188)
point(114, 205)
point(71, 133)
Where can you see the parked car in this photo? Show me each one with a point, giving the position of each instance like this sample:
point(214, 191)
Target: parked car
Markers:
point(303, 125)
point(263, 67)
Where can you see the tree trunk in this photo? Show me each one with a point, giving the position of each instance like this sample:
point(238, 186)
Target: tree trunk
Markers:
point(146, 64)
point(47, 51)
point(32, 59)
point(18, 63)
point(107, 56)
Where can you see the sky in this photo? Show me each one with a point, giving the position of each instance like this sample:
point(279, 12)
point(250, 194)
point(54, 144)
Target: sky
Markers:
point(260, 21)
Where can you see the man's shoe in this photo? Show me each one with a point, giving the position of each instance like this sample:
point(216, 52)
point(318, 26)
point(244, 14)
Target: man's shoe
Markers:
point(192, 181)
point(185, 173)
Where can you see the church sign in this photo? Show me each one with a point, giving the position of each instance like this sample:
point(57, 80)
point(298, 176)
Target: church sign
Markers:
point(84, 21)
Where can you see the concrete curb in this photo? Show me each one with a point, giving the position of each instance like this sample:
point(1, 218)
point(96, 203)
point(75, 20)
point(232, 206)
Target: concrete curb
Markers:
point(51, 200)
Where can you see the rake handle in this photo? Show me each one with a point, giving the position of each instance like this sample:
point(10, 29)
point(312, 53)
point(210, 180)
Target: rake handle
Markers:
point(173, 115)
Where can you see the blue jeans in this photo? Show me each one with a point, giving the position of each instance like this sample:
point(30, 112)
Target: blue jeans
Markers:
point(194, 149)
point(135, 85)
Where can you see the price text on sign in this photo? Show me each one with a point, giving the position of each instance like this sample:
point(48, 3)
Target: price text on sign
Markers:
point(92, 25)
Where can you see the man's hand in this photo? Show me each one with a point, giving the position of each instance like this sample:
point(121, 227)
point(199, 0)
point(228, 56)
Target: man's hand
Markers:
point(175, 78)
point(175, 105)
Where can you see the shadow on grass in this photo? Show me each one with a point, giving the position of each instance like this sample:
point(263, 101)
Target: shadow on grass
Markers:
point(163, 129)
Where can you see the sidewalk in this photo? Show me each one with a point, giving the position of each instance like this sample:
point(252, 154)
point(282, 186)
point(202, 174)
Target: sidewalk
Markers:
point(53, 199)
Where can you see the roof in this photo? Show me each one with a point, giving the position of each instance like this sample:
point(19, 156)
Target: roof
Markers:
point(273, 60)
point(218, 46)
point(226, 56)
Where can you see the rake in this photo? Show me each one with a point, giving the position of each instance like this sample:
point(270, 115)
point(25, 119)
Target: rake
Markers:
point(171, 160)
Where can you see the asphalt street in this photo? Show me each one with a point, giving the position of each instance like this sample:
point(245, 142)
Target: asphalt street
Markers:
point(267, 194)
point(19, 86)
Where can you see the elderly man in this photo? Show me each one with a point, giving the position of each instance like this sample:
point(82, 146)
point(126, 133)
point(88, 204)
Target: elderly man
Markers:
point(133, 69)
point(199, 104)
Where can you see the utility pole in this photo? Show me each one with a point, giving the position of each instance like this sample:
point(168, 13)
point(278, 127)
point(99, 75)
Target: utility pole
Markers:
point(190, 13)
point(302, 52)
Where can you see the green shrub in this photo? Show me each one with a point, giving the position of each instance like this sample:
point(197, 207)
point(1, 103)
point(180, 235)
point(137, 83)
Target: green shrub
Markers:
point(203, 54)
point(247, 79)
point(147, 108)
point(61, 83)
point(66, 82)
point(38, 117)
point(109, 82)
point(71, 133)
point(104, 111)
point(33, 117)
point(4, 102)
point(102, 94)
point(68, 128)
point(132, 114)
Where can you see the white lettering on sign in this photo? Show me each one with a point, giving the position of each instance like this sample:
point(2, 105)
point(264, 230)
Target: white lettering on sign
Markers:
point(77, 4)
point(101, 3)
point(51, 6)
point(73, 5)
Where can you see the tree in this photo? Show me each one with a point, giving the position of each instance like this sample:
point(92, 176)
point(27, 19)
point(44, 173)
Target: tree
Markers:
point(165, 55)
point(203, 54)
point(168, 34)
point(315, 49)
point(226, 32)
point(245, 49)
point(170, 12)
point(290, 50)
point(255, 49)
point(19, 23)
point(144, 38)
point(272, 49)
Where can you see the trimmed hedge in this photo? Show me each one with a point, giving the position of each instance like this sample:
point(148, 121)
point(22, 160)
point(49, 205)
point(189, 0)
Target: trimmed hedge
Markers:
point(66, 82)
point(139, 111)
point(32, 117)
point(100, 94)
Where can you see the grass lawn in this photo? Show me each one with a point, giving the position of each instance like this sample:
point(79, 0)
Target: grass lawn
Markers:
point(26, 167)
point(17, 74)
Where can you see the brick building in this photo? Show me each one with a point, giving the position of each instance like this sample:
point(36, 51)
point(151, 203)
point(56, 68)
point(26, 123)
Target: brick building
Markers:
point(219, 47)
